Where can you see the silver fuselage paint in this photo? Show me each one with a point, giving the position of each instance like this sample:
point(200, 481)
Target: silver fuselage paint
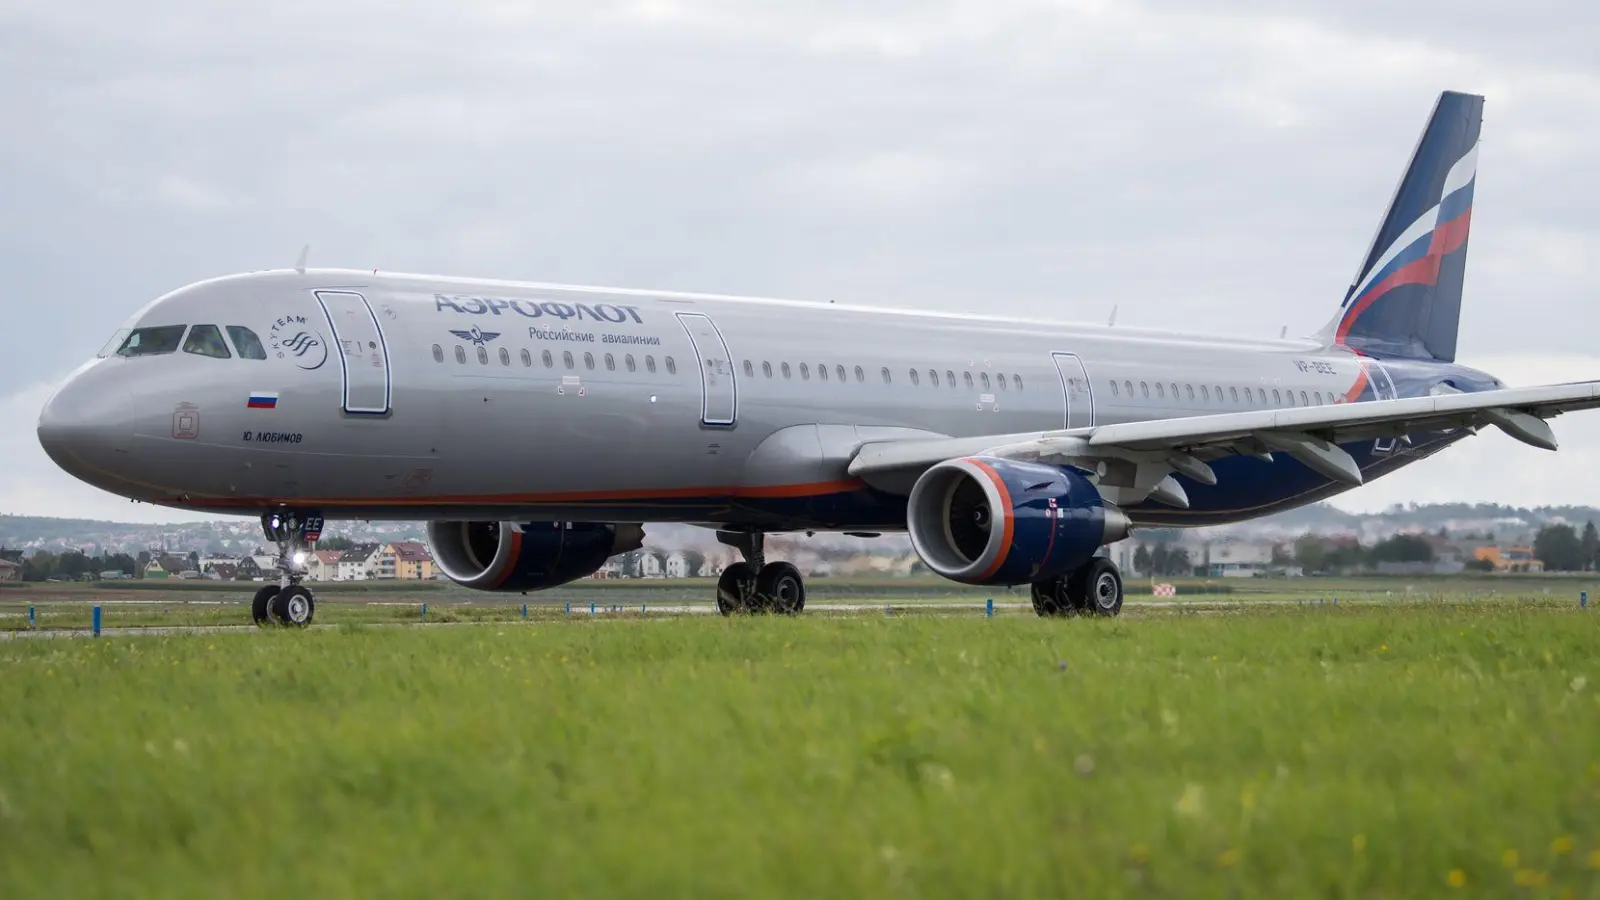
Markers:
point(440, 404)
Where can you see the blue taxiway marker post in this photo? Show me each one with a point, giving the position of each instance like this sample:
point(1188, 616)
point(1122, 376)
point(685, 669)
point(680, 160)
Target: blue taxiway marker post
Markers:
point(524, 610)
point(424, 610)
point(569, 607)
point(31, 622)
point(97, 621)
point(988, 609)
point(1583, 603)
point(644, 608)
point(591, 608)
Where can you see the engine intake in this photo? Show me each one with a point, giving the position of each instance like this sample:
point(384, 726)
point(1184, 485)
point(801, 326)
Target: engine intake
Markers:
point(991, 521)
point(507, 556)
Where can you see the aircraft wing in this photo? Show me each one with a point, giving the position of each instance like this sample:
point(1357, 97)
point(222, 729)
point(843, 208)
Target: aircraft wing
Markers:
point(1136, 460)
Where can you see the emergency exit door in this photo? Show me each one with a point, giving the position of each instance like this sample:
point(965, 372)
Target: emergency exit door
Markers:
point(1075, 386)
point(719, 401)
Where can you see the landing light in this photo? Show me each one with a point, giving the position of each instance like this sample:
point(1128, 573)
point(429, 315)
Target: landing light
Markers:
point(300, 558)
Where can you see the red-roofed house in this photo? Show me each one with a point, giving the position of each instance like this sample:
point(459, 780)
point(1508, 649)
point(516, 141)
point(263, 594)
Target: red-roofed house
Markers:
point(324, 565)
point(404, 560)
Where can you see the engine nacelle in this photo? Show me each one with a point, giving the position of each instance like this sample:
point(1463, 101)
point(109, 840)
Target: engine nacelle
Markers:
point(508, 556)
point(991, 521)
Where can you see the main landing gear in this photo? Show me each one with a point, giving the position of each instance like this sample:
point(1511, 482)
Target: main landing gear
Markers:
point(288, 602)
point(1092, 589)
point(755, 585)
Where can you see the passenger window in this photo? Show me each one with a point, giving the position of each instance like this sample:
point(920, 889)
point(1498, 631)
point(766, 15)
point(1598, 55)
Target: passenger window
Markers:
point(505, 357)
point(1247, 397)
point(672, 367)
point(861, 376)
point(886, 378)
point(786, 372)
point(985, 377)
point(650, 363)
point(527, 359)
point(1277, 398)
point(152, 341)
point(1219, 393)
point(933, 377)
point(1016, 380)
point(1000, 380)
point(1304, 401)
point(483, 356)
point(966, 378)
point(248, 345)
point(1128, 386)
point(822, 372)
point(588, 361)
point(566, 358)
point(1114, 391)
point(611, 363)
point(1144, 388)
point(461, 355)
point(915, 380)
point(1205, 394)
point(1189, 390)
point(628, 360)
point(206, 340)
point(1160, 394)
point(766, 369)
point(839, 371)
point(805, 372)
point(950, 378)
point(438, 353)
point(1317, 396)
point(1290, 395)
point(1234, 393)
point(549, 361)
point(749, 369)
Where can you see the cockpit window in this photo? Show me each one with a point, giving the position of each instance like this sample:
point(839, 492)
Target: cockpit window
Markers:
point(152, 341)
point(112, 345)
point(246, 342)
point(206, 340)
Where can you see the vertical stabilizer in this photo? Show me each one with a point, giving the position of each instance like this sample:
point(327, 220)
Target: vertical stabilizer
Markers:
point(1406, 298)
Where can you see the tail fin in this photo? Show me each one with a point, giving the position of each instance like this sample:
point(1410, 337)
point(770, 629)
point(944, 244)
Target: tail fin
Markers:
point(1406, 300)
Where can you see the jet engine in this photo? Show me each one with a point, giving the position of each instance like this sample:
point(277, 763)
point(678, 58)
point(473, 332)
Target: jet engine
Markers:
point(508, 556)
point(991, 521)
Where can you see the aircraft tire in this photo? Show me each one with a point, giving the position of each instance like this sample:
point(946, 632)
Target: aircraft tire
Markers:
point(1051, 599)
point(736, 589)
point(1102, 587)
point(260, 605)
point(781, 588)
point(294, 605)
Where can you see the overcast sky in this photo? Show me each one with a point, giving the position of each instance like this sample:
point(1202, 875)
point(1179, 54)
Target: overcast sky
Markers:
point(1204, 165)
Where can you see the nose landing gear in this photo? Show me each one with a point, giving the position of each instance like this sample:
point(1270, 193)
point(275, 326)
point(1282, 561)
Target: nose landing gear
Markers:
point(288, 602)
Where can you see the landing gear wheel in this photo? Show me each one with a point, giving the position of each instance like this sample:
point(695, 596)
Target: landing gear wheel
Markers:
point(1050, 599)
point(294, 605)
point(781, 589)
point(1102, 587)
point(735, 588)
point(259, 606)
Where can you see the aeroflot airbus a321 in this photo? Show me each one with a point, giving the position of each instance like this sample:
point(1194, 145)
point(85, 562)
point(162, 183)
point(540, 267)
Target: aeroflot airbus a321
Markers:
point(538, 429)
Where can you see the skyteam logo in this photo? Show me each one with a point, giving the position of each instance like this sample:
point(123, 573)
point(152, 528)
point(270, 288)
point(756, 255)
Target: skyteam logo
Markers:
point(476, 335)
point(295, 339)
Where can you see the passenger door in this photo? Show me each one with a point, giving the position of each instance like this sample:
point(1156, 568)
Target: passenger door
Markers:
point(719, 402)
point(363, 354)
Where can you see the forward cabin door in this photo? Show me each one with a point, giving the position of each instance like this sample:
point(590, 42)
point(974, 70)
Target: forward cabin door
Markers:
point(363, 354)
point(1075, 386)
point(719, 400)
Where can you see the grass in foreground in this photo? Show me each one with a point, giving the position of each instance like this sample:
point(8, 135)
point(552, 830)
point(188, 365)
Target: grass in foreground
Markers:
point(1360, 752)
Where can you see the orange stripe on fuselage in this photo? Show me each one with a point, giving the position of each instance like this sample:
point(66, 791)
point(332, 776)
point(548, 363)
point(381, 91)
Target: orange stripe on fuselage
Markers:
point(1005, 514)
point(732, 492)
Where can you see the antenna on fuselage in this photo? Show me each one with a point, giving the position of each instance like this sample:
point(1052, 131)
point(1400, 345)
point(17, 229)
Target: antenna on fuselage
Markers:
point(300, 264)
point(1113, 320)
point(1284, 333)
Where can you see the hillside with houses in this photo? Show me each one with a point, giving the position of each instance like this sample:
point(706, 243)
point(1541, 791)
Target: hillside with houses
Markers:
point(1438, 539)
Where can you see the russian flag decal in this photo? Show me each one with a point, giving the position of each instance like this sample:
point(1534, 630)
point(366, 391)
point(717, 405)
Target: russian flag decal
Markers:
point(262, 400)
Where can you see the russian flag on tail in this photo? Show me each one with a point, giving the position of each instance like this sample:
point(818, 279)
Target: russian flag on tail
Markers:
point(262, 400)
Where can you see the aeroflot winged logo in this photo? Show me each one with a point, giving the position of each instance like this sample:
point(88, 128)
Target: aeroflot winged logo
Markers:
point(295, 339)
point(475, 335)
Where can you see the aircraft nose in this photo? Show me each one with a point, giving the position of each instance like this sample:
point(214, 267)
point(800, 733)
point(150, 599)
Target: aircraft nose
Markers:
point(73, 429)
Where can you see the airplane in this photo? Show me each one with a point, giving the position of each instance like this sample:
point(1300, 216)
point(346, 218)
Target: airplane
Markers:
point(539, 428)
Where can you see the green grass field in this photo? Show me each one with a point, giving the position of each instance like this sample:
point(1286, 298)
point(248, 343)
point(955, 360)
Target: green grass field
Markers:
point(1360, 752)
